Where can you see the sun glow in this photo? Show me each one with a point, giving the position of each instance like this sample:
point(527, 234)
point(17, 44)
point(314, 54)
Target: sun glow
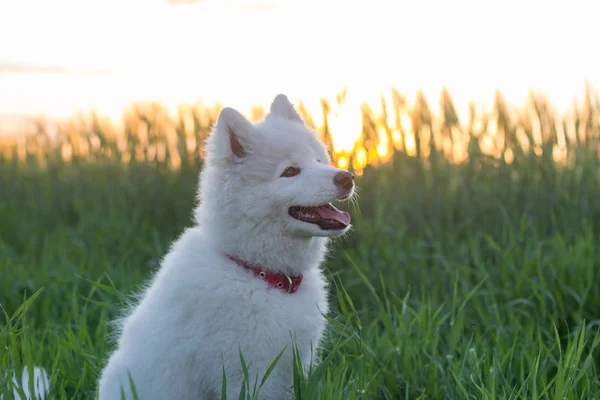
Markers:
point(345, 123)
point(383, 146)
point(158, 52)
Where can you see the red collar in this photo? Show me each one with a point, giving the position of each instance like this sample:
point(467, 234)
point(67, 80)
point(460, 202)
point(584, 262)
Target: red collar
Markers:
point(288, 284)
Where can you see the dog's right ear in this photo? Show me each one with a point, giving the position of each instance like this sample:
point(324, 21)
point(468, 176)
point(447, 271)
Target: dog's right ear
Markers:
point(232, 133)
point(281, 106)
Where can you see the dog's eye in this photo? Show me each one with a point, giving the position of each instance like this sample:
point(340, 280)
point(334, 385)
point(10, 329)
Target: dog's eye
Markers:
point(291, 171)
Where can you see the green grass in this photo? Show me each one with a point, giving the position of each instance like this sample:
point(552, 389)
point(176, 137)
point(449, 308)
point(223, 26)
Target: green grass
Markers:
point(473, 281)
point(477, 281)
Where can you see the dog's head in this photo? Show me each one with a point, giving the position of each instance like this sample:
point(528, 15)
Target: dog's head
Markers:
point(276, 173)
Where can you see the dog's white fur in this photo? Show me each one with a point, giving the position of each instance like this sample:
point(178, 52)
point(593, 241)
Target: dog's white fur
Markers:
point(201, 309)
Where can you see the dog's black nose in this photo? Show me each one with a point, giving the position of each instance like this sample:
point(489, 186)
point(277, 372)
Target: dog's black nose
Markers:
point(344, 179)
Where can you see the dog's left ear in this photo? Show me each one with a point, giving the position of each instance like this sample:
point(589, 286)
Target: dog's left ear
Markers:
point(232, 134)
point(282, 107)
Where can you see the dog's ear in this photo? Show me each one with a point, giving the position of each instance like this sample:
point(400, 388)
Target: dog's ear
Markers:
point(282, 107)
point(232, 133)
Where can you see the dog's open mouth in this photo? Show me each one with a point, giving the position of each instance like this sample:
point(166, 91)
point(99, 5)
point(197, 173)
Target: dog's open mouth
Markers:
point(327, 217)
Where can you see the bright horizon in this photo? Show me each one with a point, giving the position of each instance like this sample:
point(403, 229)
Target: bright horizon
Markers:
point(109, 53)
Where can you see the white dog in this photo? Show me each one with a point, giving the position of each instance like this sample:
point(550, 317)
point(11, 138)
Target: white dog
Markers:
point(246, 277)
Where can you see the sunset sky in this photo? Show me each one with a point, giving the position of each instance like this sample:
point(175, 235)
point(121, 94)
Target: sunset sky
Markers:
point(57, 56)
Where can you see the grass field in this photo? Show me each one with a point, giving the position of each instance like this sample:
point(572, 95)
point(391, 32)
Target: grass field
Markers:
point(477, 280)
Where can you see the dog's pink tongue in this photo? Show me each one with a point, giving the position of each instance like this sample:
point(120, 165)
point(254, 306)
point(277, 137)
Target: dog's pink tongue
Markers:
point(333, 213)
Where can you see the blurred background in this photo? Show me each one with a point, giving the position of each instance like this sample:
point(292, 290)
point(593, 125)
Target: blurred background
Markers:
point(65, 63)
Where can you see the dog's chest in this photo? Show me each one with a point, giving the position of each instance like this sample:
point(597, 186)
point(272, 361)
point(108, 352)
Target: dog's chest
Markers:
point(276, 315)
point(264, 322)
